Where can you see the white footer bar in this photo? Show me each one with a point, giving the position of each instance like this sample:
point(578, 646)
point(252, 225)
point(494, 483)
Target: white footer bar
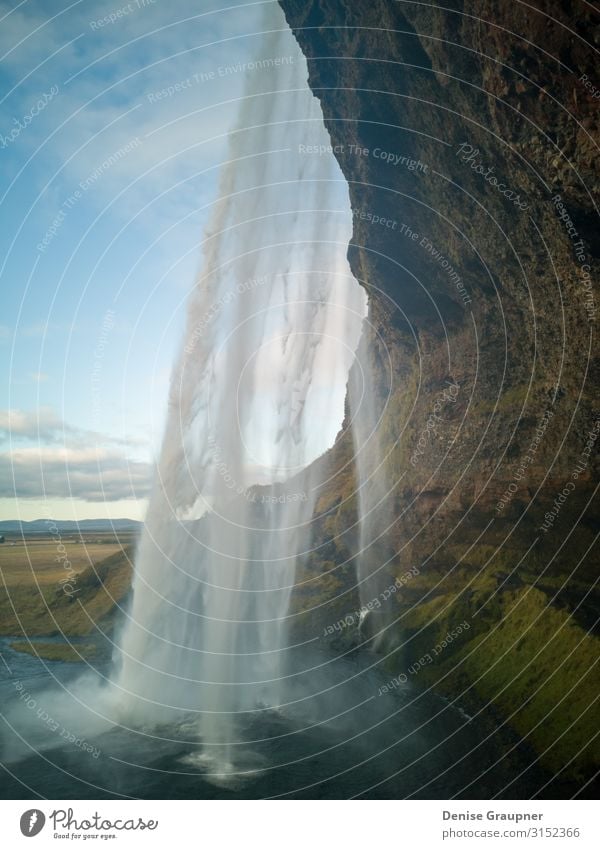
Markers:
point(300, 824)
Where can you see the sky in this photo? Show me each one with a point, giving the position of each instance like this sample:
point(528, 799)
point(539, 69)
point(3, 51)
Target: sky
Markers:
point(107, 181)
point(113, 130)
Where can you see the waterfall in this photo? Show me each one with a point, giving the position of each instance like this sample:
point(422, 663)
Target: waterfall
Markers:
point(367, 405)
point(257, 393)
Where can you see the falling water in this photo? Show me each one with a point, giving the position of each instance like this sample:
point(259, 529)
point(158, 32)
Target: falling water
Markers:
point(256, 395)
point(373, 552)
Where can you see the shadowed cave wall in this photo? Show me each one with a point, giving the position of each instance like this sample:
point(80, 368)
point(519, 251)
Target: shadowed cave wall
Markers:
point(473, 128)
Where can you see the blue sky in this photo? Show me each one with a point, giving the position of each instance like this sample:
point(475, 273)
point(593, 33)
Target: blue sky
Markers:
point(106, 187)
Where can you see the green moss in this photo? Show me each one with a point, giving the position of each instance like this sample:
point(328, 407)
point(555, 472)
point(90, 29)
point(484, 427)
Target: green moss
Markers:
point(528, 659)
point(539, 663)
point(511, 399)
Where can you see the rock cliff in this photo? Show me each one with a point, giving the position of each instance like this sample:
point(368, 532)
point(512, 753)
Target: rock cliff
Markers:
point(468, 137)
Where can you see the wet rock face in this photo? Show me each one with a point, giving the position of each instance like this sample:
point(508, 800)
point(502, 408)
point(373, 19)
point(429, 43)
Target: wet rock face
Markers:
point(468, 137)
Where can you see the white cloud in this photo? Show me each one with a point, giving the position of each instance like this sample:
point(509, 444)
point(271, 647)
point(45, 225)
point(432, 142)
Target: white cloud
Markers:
point(42, 424)
point(111, 71)
point(66, 461)
point(88, 474)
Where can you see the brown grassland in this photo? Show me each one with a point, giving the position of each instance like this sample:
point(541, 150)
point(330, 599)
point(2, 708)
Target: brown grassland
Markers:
point(75, 591)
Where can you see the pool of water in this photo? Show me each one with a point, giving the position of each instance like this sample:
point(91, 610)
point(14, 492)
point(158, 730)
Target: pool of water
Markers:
point(335, 737)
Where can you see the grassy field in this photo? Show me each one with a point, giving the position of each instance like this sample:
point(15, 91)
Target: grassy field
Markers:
point(51, 586)
point(48, 560)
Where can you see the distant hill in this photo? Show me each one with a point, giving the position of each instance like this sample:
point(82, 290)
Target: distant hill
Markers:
point(43, 526)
